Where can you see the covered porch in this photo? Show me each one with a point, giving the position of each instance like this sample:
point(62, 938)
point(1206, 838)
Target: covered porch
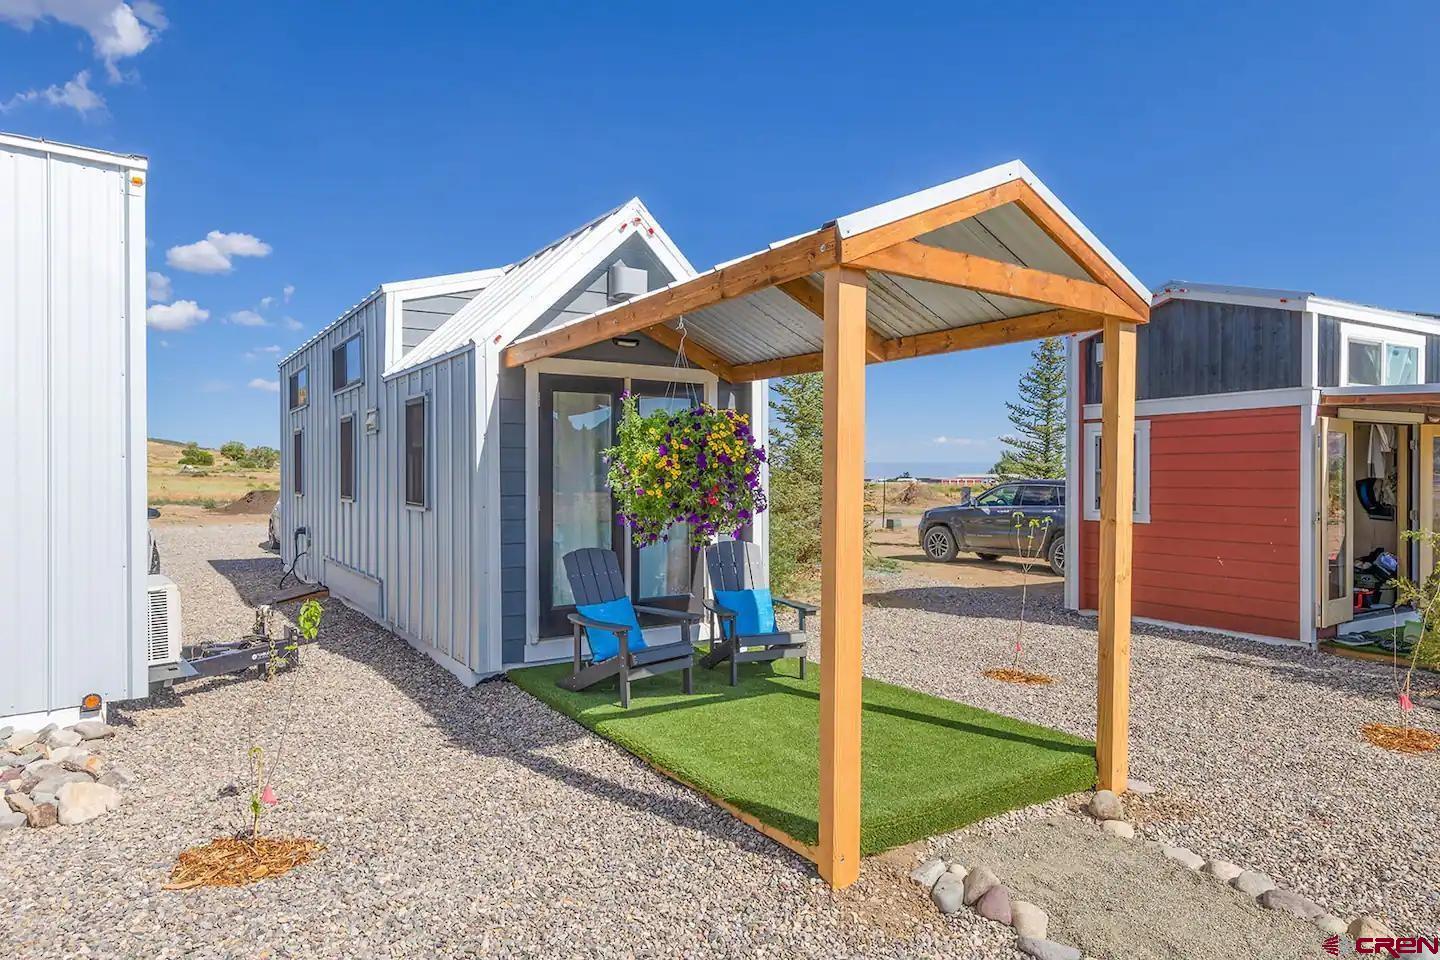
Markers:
point(989, 259)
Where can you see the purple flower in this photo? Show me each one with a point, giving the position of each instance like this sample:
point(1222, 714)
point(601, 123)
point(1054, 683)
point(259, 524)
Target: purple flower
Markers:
point(662, 449)
point(724, 458)
point(700, 460)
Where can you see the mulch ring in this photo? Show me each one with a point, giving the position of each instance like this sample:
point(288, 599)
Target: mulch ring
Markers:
point(1401, 739)
point(237, 861)
point(1006, 675)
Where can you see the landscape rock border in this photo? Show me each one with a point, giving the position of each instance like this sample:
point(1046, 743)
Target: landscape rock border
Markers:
point(953, 885)
point(52, 776)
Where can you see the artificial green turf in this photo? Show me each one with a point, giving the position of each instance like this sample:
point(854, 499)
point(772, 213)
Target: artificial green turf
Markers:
point(928, 765)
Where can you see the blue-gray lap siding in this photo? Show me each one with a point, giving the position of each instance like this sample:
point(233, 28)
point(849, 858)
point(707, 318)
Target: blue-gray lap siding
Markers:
point(1193, 348)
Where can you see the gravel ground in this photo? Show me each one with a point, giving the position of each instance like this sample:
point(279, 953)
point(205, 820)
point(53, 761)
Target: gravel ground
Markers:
point(1256, 749)
point(469, 823)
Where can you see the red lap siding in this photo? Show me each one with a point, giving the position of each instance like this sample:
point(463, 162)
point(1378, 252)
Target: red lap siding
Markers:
point(1222, 548)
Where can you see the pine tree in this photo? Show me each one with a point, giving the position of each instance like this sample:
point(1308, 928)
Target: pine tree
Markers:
point(1037, 448)
point(797, 459)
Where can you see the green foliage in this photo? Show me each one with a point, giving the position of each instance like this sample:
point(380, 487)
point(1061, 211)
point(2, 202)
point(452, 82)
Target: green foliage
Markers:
point(193, 456)
point(260, 458)
point(233, 450)
point(797, 461)
point(1036, 451)
point(698, 466)
point(310, 613)
point(1424, 598)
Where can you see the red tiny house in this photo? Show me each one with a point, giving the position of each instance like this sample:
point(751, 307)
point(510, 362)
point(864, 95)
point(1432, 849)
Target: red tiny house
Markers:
point(1221, 544)
point(1283, 442)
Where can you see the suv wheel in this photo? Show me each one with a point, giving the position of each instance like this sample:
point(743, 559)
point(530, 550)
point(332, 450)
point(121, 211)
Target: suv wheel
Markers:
point(1055, 556)
point(940, 543)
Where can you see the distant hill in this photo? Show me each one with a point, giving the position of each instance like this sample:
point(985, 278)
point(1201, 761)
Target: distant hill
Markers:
point(212, 487)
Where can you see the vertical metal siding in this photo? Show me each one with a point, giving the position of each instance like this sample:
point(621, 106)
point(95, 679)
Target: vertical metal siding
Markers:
point(68, 269)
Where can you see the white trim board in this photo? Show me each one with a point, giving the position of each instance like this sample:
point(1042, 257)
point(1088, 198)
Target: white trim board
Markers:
point(1090, 503)
point(1217, 402)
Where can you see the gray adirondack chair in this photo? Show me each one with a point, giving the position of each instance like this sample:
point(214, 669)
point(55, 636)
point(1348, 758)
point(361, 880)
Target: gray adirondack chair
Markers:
point(731, 568)
point(595, 578)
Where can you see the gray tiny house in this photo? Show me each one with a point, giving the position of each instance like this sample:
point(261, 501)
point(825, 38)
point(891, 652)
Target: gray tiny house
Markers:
point(435, 489)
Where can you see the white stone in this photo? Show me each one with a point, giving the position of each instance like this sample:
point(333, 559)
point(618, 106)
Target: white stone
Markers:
point(1252, 883)
point(1288, 901)
point(1104, 805)
point(979, 882)
point(20, 739)
point(1029, 920)
point(928, 872)
point(1329, 923)
point(1363, 926)
point(93, 730)
point(1222, 870)
point(1185, 857)
point(948, 894)
point(958, 869)
point(61, 754)
point(1138, 787)
point(80, 802)
point(1117, 828)
point(62, 738)
point(10, 819)
point(1047, 949)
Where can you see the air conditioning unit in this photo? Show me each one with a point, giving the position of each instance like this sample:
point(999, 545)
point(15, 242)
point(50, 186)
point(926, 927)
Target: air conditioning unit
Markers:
point(626, 282)
point(162, 620)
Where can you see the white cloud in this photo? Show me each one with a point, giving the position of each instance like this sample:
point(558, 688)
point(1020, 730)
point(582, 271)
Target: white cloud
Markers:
point(215, 254)
point(270, 386)
point(247, 318)
point(180, 315)
point(253, 354)
point(292, 324)
point(75, 94)
point(288, 291)
point(158, 287)
point(118, 30)
point(265, 302)
point(957, 441)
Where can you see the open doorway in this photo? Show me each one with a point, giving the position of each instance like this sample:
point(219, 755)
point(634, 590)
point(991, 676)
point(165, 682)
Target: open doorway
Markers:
point(1380, 505)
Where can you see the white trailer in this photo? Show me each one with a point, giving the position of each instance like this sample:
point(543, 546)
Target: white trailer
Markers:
point(72, 430)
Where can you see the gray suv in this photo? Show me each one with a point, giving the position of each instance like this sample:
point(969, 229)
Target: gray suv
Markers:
point(986, 524)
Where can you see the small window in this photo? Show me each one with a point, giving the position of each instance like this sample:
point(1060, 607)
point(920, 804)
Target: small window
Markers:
point(1096, 465)
point(1039, 496)
point(415, 452)
point(1373, 357)
point(347, 458)
point(298, 458)
point(347, 364)
point(299, 388)
point(1002, 496)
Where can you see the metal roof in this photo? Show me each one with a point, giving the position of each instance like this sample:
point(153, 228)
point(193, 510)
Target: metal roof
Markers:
point(130, 161)
point(531, 286)
point(768, 324)
point(1265, 296)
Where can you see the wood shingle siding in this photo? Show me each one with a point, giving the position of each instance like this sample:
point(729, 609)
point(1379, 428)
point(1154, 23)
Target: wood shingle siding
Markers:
point(1222, 548)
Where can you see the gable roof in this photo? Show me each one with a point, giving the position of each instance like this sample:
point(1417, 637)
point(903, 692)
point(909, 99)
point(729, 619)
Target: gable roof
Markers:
point(968, 263)
point(1299, 300)
point(530, 287)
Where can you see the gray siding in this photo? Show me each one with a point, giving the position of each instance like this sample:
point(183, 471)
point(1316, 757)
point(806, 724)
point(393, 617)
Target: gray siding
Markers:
point(424, 315)
point(592, 293)
point(1432, 358)
point(1193, 348)
point(511, 402)
point(1327, 351)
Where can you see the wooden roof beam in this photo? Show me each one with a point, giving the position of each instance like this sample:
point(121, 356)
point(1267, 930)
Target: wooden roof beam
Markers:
point(798, 258)
point(910, 258)
point(697, 353)
point(1031, 326)
point(812, 298)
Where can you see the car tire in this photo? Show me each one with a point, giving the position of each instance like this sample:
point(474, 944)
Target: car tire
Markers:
point(1055, 556)
point(939, 543)
point(988, 557)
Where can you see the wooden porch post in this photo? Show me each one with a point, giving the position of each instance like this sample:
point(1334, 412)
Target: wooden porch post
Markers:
point(1117, 498)
point(842, 557)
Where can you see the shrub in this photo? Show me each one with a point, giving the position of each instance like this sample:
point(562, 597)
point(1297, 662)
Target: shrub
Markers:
point(193, 456)
point(234, 450)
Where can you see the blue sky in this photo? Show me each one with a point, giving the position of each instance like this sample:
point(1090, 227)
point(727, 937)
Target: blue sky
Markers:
point(334, 146)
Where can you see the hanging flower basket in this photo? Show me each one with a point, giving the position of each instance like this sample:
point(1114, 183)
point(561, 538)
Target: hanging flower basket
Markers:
point(699, 466)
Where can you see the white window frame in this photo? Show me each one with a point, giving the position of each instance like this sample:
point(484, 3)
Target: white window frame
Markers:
point(1385, 337)
point(1142, 471)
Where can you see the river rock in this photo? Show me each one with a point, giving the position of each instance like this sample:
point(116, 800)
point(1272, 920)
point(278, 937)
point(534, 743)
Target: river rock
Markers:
point(1368, 927)
point(1288, 901)
point(1138, 787)
point(1047, 949)
point(1222, 870)
point(995, 905)
point(10, 819)
point(93, 730)
point(978, 882)
point(80, 802)
point(948, 894)
point(62, 738)
point(1252, 883)
point(36, 814)
point(1118, 828)
point(928, 872)
point(1029, 920)
point(20, 739)
point(1184, 856)
point(1329, 923)
point(1104, 805)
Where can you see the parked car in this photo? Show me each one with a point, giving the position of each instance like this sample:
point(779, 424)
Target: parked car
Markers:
point(150, 514)
point(275, 526)
point(985, 524)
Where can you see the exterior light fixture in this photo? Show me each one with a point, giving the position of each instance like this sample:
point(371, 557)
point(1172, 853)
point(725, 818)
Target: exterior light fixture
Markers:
point(91, 703)
point(627, 342)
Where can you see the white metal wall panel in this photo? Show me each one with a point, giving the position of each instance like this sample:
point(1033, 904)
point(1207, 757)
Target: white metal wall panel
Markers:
point(72, 428)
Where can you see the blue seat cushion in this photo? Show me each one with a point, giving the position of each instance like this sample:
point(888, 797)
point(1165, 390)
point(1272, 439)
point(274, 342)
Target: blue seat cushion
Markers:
point(603, 643)
point(754, 610)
